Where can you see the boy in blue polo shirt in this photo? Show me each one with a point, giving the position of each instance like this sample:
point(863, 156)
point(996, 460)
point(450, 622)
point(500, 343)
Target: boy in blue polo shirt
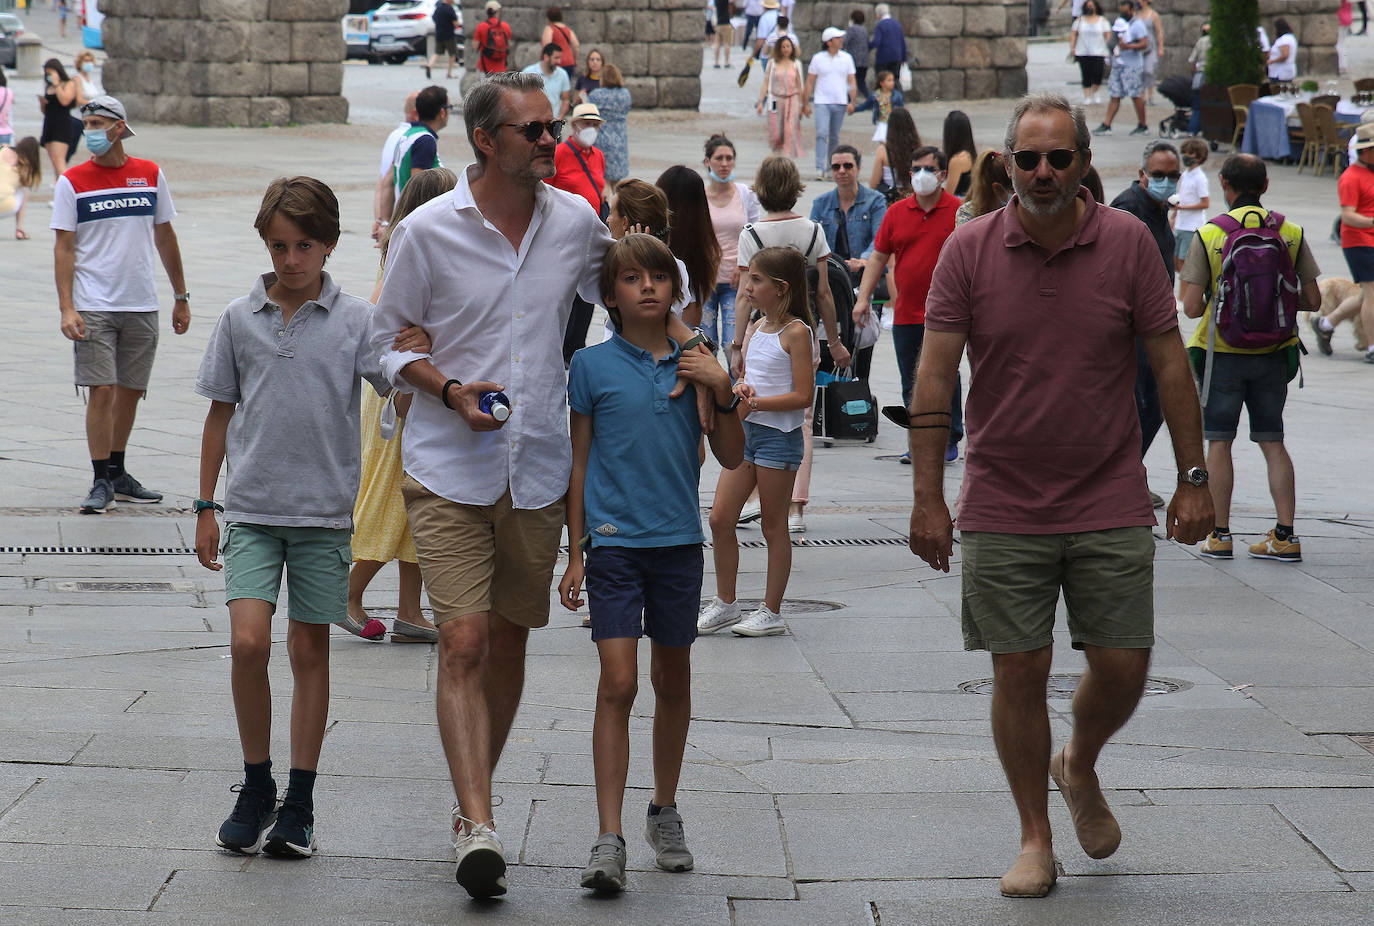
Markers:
point(633, 503)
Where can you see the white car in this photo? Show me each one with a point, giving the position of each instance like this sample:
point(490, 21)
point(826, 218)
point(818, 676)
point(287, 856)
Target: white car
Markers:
point(399, 29)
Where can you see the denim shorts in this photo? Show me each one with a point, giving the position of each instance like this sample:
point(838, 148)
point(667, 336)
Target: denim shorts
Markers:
point(317, 560)
point(1259, 382)
point(771, 448)
point(1361, 264)
point(645, 591)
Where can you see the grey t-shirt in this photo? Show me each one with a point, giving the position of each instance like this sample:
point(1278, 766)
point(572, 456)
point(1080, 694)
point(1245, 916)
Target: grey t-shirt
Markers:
point(293, 447)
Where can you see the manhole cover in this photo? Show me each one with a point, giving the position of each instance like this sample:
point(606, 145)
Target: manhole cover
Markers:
point(114, 586)
point(789, 605)
point(1062, 687)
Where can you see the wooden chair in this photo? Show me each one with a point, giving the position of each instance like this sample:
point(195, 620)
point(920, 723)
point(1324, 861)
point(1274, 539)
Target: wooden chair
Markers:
point(1331, 144)
point(1241, 113)
point(1364, 85)
point(1243, 94)
point(1309, 136)
point(1326, 99)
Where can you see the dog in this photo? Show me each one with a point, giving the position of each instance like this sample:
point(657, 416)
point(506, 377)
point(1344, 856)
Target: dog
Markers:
point(1336, 290)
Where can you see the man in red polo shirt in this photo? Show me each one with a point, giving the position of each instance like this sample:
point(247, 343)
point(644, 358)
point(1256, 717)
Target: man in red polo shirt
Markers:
point(914, 230)
point(580, 169)
point(1049, 294)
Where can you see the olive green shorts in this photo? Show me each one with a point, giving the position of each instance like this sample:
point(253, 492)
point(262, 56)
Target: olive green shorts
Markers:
point(1012, 582)
point(317, 560)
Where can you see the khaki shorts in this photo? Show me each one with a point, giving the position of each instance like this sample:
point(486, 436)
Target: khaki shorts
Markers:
point(726, 32)
point(484, 558)
point(118, 349)
point(1012, 582)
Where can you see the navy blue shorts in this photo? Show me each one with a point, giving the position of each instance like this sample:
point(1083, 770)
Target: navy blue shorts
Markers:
point(1257, 382)
point(645, 591)
point(1361, 264)
point(773, 449)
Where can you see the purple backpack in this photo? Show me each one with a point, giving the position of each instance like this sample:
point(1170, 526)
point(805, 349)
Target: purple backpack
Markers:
point(1256, 299)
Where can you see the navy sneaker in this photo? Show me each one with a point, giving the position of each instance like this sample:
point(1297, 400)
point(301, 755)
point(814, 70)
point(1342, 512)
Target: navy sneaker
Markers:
point(129, 489)
point(101, 498)
point(253, 816)
point(951, 452)
point(294, 834)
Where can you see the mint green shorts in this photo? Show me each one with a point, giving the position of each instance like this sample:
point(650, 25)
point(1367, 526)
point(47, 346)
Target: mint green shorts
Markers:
point(317, 560)
point(1011, 586)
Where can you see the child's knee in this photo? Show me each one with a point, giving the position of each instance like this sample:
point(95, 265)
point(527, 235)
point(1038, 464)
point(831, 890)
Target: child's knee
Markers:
point(722, 522)
point(250, 647)
point(618, 689)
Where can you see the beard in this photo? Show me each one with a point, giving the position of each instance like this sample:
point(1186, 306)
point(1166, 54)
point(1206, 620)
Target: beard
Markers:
point(1063, 198)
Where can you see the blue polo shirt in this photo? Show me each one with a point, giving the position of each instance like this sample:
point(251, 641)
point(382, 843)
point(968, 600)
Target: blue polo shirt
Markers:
point(642, 471)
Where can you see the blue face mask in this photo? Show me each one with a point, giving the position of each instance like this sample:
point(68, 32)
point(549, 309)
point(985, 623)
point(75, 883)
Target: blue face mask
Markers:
point(1162, 188)
point(719, 179)
point(97, 141)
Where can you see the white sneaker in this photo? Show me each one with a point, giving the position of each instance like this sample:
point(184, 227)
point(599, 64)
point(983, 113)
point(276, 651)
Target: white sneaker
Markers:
point(718, 615)
point(796, 524)
point(752, 511)
point(761, 623)
point(481, 859)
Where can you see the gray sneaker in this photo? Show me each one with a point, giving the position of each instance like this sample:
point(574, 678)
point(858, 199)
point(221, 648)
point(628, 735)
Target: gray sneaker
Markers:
point(129, 489)
point(664, 833)
point(1322, 335)
point(605, 869)
point(101, 498)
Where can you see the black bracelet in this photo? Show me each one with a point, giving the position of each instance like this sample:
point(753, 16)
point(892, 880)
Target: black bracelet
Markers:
point(926, 414)
point(921, 427)
point(443, 393)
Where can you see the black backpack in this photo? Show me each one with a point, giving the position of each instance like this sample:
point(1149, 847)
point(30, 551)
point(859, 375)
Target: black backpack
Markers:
point(841, 289)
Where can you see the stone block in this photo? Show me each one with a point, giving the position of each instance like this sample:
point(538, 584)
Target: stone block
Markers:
point(1315, 31)
point(314, 109)
point(643, 91)
point(291, 79)
point(112, 35)
point(932, 20)
point(685, 26)
point(651, 26)
point(270, 42)
point(980, 83)
point(132, 38)
point(925, 86)
point(180, 75)
point(971, 53)
point(951, 85)
point(316, 41)
point(1319, 61)
point(631, 59)
point(226, 110)
point(1018, 20)
point(269, 110)
point(620, 26)
point(679, 92)
point(1011, 82)
point(235, 10)
point(139, 106)
point(675, 60)
point(221, 41)
point(526, 25)
point(985, 20)
point(591, 30)
point(604, 5)
point(303, 10)
point(147, 76)
point(326, 78)
point(932, 53)
point(1008, 52)
point(117, 76)
point(672, 5)
point(169, 41)
point(179, 109)
point(225, 78)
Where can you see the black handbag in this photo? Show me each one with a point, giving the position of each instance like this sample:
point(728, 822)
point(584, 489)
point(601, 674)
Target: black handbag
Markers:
point(845, 410)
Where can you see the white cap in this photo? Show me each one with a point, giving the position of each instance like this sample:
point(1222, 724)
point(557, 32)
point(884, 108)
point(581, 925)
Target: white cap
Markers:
point(831, 33)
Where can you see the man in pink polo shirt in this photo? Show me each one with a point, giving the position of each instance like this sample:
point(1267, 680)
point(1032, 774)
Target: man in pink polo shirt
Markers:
point(1049, 295)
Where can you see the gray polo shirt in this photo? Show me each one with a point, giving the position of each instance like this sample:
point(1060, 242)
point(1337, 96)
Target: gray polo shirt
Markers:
point(293, 446)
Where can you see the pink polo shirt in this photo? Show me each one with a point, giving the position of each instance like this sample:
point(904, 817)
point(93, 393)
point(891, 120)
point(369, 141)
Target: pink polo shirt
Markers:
point(1054, 438)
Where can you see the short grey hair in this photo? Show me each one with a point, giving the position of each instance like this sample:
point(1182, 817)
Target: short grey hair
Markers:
point(484, 105)
point(1155, 147)
point(1049, 103)
point(882, 10)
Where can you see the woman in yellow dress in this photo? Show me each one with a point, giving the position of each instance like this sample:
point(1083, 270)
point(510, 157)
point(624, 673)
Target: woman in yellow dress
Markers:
point(380, 530)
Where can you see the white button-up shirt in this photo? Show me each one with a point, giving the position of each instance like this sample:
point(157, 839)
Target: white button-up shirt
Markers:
point(497, 314)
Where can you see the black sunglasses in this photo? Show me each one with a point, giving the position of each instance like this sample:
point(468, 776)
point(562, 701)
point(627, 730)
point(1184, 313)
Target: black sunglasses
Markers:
point(1059, 158)
point(534, 130)
point(845, 165)
point(1164, 175)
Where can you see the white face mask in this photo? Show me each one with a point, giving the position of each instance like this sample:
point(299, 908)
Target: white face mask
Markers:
point(587, 137)
point(924, 182)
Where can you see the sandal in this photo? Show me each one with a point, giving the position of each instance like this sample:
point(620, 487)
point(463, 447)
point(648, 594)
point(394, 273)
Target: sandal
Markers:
point(21, 235)
point(406, 632)
point(373, 630)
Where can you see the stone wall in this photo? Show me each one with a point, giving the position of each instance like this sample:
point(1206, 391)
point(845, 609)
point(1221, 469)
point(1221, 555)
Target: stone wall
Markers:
point(655, 43)
point(226, 62)
point(961, 50)
point(1313, 21)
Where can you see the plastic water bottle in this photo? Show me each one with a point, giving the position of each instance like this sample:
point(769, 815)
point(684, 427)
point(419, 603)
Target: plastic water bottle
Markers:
point(495, 404)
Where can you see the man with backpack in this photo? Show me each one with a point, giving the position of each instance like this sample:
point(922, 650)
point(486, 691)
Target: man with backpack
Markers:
point(1247, 281)
point(491, 41)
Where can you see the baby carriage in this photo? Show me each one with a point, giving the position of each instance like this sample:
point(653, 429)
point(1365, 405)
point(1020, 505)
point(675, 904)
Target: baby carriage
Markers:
point(1179, 91)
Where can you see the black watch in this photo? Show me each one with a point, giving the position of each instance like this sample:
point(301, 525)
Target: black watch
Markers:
point(728, 409)
point(1193, 476)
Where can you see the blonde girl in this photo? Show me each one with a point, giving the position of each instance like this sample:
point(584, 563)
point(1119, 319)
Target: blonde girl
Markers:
point(774, 391)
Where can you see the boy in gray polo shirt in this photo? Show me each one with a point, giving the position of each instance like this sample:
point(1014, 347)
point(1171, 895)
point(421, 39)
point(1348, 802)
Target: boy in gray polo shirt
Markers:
point(284, 410)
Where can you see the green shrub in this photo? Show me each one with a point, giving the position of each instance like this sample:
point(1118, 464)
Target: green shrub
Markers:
point(1234, 56)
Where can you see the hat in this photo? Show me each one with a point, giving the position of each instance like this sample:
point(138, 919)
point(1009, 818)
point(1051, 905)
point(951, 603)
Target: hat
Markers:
point(831, 33)
point(492, 5)
point(1364, 136)
point(110, 107)
point(771, 4)
point(586, 111)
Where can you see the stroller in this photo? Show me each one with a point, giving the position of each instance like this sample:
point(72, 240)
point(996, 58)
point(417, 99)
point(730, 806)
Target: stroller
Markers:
point(1179, 91)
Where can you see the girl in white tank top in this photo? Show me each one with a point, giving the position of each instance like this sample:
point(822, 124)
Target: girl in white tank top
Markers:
point(774, 392)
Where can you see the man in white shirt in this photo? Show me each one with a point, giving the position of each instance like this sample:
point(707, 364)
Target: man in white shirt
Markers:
point(830, 88)
point(557, 87)
point(490, 269)
point(388, 158)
